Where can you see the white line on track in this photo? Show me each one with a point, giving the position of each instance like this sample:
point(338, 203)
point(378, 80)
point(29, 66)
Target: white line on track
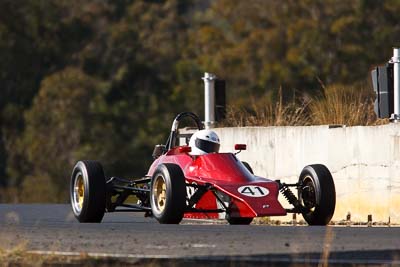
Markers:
point(99, 255)
point(181, 246)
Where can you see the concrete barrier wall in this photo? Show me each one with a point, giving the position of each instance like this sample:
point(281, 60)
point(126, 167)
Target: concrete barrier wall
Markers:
point(364, 161)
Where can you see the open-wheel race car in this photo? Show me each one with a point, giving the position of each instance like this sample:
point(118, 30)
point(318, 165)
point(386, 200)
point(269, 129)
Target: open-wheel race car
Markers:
point(183, 184)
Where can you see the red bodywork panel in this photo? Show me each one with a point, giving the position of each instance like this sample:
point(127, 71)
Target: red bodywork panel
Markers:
point(249, 195)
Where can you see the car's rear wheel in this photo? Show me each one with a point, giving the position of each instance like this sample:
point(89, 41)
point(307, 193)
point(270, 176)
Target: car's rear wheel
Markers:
point(239, 220)
point(88, 191)
point(317, 194)
point(168, 194)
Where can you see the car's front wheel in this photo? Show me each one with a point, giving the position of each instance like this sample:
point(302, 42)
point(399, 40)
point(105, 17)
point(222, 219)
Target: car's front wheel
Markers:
point(168, 194)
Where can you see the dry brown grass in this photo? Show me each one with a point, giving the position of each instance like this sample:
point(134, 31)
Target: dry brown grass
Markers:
point(343, 105)
point(269, 114)
point(335, 105)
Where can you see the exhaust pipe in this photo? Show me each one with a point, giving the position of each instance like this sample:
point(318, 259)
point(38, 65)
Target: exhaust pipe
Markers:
point(209, 99)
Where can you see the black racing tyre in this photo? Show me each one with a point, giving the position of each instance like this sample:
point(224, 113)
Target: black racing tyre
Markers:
point(317, 194)
point(88, 191)
point(239, 220)
point(247, 165)
point(168, 194)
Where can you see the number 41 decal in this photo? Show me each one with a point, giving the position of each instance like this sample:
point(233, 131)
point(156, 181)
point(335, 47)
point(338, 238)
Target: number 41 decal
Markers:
point(253, 191)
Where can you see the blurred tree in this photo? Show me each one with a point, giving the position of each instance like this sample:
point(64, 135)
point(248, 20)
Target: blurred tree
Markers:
point(263, 45)
point(36, 39)
point(67, 121)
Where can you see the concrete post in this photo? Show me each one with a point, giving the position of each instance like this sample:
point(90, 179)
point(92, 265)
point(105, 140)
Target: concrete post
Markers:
point(396, 77)
point(209, 99)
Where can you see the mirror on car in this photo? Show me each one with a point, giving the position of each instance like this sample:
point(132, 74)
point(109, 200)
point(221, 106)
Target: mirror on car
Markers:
point(240, 146)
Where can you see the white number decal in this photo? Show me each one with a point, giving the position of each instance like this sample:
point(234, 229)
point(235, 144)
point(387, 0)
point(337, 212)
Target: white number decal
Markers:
point(253, 191)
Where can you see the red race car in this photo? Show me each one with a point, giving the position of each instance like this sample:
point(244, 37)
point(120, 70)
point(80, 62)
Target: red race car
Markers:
point(196, 181)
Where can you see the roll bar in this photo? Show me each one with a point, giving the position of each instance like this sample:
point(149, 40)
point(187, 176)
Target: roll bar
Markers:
point(174, 129)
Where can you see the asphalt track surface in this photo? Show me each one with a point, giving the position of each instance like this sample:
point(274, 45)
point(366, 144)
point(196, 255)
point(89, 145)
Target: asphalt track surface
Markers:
point(53, 228)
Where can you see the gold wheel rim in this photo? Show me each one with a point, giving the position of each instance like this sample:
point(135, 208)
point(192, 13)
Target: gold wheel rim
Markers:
point(79, 192)
point(160, 193)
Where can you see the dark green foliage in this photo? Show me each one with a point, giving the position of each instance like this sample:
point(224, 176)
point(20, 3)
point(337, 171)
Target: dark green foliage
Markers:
point(103, 79)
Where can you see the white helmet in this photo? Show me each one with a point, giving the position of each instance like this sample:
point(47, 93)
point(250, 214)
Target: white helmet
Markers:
point(203, 142)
